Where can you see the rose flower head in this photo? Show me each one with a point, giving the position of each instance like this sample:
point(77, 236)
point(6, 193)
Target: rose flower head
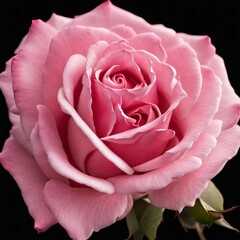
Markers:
point(106, 108)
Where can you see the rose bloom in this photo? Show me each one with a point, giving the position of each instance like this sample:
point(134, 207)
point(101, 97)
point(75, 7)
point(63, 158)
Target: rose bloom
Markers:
point(106, 108)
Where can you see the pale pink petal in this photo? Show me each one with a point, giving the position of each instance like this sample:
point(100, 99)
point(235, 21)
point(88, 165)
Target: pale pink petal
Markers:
point(57, 157)
point(72, 40)
point(58, 21)
point(6, 86)
point(79, 145)
point(155, 179)
point(72, 74)
point(202, 45)
point(229, 110)
point(184, 191)
point(107, 15)
point(41, 156)
point(188, 72)
point(111, 156)
point(23, 168)
point(83, 211)
point(149, 42)
point(27, 69)
point(123, 31)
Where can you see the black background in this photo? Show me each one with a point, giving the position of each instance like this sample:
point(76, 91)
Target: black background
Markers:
point(218, 19)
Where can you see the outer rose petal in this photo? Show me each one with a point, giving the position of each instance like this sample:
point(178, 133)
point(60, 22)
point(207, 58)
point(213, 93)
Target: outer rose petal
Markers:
point(27, 72)
point(202, 45)
point(175, 196)
point(229, 110)
point(82, 211)
point(17, 161)
point(58, 21)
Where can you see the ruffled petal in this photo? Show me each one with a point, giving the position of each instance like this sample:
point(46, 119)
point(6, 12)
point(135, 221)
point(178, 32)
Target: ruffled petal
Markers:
point(22, 166)
point(82, 211)
point(185, 190)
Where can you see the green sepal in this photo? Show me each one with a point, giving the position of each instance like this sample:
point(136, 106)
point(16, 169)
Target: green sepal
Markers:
point(144, 220)
point(208, 210)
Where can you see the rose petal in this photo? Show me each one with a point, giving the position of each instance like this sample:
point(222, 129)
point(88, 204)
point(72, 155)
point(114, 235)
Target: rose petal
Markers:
point(184, 191)
point(195, 122)
point(188, 72)
point(27, 72)
point(57, 158)
point(82, 211)
point(68, 40)
point(134, 151)
point(123, 30)
point(202, 45)
point(21, 165)
point(155, 179)
point(112, 157)
point(149, 42)
point(108, 15)
point(229, 109)
point(58, 21)
point(41, 156)
point(72, 74)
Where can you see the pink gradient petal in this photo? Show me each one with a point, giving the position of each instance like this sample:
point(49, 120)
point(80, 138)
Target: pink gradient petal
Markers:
point(23, 168)
point(155, 179)
point(111, 156)
point(123, 31)
point(27, 72)
point(57, 157)
point(58, 21)
point(134, 151)
point(71, 40)
point(149, 42)
point(195, 122)
point(72, 74)
point(79, 145)
point(202, 45)
point(188, 72)
point(41, 156)
point(6, 86)
point(229, 110)
point(82, 211)
point(184, 191)
point(108, 15)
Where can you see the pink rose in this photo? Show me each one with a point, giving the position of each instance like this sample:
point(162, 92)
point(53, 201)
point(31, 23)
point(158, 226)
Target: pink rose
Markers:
point(106, 107)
